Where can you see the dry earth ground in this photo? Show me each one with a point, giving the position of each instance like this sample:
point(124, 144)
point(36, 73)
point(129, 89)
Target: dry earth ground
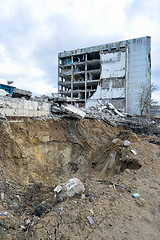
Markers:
point(37, 155)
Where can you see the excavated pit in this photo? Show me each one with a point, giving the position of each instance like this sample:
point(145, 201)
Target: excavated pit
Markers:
point(37, 155)
point(53, 149)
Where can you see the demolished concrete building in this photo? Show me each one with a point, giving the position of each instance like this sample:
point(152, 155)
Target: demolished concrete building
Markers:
point(112, 72)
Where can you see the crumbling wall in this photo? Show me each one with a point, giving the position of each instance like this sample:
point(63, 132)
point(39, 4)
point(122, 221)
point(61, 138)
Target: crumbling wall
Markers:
point(113, 84)
point(23, 108)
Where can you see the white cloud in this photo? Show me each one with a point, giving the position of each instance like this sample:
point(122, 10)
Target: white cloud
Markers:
point(156, 96)
point(32, 32)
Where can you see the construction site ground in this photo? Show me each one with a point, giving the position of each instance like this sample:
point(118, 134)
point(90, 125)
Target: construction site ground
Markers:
point(36, 155)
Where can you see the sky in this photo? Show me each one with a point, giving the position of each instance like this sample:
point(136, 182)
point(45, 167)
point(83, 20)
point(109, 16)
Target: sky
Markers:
point(32, 32)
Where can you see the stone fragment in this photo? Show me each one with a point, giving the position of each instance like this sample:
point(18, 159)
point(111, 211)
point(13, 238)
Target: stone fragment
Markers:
point(69, 189)
point(83, 196)
point(127, 171)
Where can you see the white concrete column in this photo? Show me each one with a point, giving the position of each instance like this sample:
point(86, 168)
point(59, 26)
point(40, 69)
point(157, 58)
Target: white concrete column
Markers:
point(85, 79)
point(72, 79)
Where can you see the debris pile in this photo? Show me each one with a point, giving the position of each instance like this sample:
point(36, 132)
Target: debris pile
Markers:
point(82, 173)
point(19, 93)
point(143, 126)
point(107, 113)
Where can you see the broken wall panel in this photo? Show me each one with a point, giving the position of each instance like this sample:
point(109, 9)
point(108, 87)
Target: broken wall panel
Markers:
point(113, 64)
point(113, 93)
point(24, 108)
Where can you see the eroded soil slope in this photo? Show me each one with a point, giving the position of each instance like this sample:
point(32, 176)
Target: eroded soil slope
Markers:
point(37, 155)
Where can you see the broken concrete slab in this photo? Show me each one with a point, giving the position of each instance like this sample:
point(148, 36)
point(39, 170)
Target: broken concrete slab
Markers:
point(114, 110)
point(56, 109)
point(18, 93)
point(73, 111)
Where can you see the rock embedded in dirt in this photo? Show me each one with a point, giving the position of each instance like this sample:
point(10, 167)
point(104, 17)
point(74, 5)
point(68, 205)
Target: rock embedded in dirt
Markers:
point(127, 171)
point(69, 189)
point(41, 209)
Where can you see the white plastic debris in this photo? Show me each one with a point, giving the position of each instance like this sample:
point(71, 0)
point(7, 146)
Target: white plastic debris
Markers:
point(90, 220)
point(69, 189)
point(135, 195)
point(58, 189)
point(126, 143)
point(133, 151)
point(27, 222)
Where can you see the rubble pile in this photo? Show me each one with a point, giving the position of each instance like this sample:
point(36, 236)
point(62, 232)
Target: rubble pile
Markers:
point(107, 113)
point(19, 93)
point(141, 125)
point(78, 173)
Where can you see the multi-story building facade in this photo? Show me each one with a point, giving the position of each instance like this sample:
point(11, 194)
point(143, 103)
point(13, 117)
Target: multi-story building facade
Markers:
point(111, 72)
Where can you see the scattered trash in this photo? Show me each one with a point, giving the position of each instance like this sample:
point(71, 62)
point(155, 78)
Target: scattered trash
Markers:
point(90, 220)
point(119, 186)
point(61, 209)
point(135, 195)
point(90, 194)
point(126, 143)
point(27, 222)
point(69, 189)
point(133, 151)
point(4, 214)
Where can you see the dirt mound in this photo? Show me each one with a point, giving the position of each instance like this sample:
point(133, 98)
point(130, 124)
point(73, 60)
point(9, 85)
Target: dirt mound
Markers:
point(37, 155)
